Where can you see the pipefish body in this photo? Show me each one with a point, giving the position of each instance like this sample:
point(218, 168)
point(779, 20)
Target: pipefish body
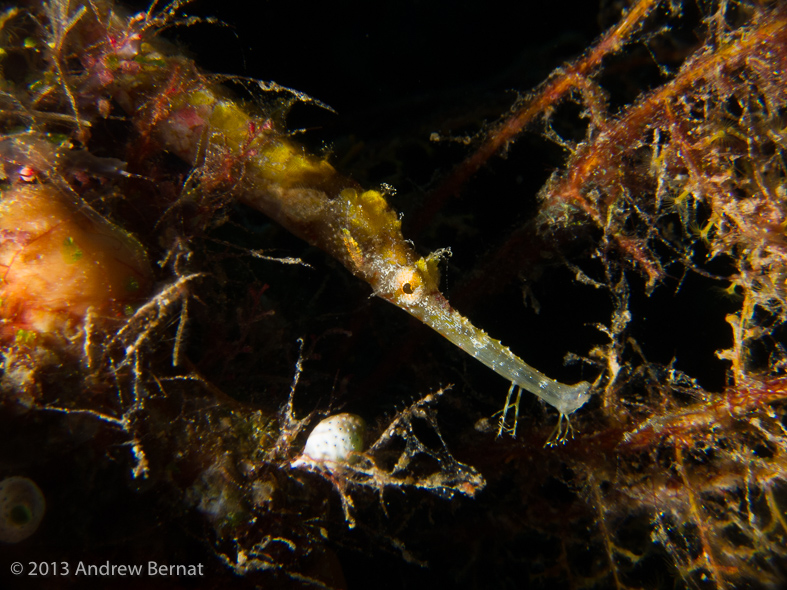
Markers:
point(360, 229)
point(240, 152)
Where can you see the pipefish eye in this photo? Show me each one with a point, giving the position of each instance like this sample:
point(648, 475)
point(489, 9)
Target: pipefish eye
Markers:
point(406, 287)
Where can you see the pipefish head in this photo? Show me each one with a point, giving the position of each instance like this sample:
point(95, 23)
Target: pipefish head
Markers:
point(407, 285)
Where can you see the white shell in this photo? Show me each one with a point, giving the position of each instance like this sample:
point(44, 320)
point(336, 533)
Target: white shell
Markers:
point(22, 507)
point(336, 439)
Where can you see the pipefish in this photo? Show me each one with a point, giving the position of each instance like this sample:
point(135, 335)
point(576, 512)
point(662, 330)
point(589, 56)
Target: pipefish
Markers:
point(240, 152)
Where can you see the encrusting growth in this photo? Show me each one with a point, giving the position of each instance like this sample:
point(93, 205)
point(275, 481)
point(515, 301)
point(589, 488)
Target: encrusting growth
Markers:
point(58, 264)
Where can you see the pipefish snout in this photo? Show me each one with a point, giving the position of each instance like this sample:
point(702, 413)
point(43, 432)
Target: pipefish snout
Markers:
point(414, 288)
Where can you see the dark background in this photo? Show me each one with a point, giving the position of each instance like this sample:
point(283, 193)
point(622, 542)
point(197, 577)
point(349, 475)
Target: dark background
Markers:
point(395, 72)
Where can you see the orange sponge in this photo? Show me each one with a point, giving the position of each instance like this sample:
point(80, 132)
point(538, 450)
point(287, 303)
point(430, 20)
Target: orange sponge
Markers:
point(57, 262)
